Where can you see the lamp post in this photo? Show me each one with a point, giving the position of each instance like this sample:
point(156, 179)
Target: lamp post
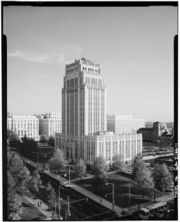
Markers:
point(60, 202)
point(69, 174)
point(68, 210)
point(129, 196)
point(112, 184)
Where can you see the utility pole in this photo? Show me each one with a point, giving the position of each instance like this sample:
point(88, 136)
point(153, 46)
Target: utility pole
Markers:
point(68, 210)
point(69, 174)
point(59, 203)
point(55, 208)
point(129, 196)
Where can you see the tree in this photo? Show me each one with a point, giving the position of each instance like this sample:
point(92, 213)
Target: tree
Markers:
point(50, 195)
point(28, 147)
point(162, 177)
point(142, 175)
point(118, 163)
point(81, 167)
point(57, 162)
point(43, 139)
point(13, 200)
point(100, 166)
point(100, 172)
point(13, 138)
point(35, 181)
point(17, 169)
point(51, 141)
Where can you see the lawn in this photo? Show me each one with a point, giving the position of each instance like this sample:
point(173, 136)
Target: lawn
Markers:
point(126, 191)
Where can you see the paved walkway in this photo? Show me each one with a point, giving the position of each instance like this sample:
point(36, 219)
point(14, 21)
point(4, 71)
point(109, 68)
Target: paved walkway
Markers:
point(43, 208)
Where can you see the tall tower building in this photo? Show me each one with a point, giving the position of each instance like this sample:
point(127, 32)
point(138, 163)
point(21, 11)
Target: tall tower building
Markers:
point(84, 118)
point(83, 99)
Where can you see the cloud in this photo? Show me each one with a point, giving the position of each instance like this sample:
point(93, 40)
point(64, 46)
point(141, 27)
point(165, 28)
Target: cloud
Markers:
point(51, 53)
point(37, 58)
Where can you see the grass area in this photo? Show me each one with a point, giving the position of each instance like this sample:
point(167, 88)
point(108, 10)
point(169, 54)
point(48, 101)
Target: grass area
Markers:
point(122, 190)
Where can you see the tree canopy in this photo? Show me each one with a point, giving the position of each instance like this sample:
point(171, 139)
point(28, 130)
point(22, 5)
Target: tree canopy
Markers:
point(57, 162)
point(28, 148)
point(118, 163)
point(18, 177)
point(51, 141)
point(35, 181)
point(13, 138)
point(18, 170)
point(13, 200)
point(162, 176)
point(141, 174)
point(43, 139)
point(99, 166)
point(81, 167)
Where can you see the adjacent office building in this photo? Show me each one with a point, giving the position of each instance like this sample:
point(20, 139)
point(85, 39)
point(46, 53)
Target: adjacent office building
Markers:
point(49, 124)
point(24, 125)
point(84, 127)
point(123, 124)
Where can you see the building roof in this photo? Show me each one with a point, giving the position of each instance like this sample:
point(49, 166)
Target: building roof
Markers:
point(145, 129)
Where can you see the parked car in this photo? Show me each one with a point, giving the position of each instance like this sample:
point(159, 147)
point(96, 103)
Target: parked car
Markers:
point(144, 213)
point(125, 212)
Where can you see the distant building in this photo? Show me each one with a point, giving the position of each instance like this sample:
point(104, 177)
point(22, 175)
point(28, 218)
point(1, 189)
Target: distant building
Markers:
point(84, 118)
point(24, 125)
point(158, 134)
point(123, 124)
point(49, 124)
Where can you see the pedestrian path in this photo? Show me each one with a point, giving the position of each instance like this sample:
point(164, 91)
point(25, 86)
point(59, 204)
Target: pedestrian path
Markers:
point(39, 205)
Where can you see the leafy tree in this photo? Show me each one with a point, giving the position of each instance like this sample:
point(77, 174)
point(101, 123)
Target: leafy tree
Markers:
point(162, 177)
point(13, 200)
point(100, 166)
point(81, 167)
point(118, 163)
point(51, 141)
point(57, 162)
point(100, 172)
point(142, 175)
point(28, 148)
point(35, 181)
point(18, 170)
point(43, 139)
point(50, 195)
point(12, 138)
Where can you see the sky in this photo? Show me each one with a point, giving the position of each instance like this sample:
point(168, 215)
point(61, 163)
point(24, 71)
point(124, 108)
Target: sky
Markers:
point(134, 46)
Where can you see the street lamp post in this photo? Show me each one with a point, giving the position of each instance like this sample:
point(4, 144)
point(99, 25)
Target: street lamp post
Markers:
point(112, 184)
point(69, 174)
point(129, 196)
point(60, 202)
point(68, 210)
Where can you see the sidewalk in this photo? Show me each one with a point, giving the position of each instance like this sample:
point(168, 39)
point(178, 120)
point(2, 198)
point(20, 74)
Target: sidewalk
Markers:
point(43, 208)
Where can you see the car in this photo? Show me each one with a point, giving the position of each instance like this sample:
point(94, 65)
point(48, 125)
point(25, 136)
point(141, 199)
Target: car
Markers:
point(125, 212)
point(144, 213)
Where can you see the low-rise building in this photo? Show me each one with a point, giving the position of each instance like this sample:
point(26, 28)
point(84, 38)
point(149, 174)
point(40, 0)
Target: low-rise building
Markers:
point(24, 125)
point(123, 124)
point(105, 144)
point(49, 124)
point(158, 134)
